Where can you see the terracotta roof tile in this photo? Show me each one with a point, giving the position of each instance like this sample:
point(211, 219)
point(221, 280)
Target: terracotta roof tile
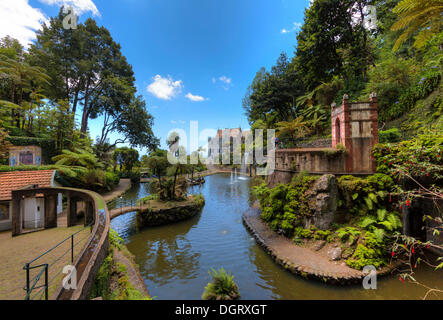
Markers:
point(18, 179)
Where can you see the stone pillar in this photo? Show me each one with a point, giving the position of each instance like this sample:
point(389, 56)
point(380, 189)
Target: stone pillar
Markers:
point(346, 132)
point(59, 203)
point(374, 126)
point(72, 211)
point(16, 214)
point(89, 212)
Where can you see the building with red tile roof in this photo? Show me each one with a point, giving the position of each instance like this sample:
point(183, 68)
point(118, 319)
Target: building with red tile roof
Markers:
point(14, 180)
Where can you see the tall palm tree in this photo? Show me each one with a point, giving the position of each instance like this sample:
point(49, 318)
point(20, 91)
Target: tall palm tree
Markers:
point(422, 16)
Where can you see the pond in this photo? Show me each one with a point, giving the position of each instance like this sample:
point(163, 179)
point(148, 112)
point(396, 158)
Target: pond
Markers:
point(174, 260)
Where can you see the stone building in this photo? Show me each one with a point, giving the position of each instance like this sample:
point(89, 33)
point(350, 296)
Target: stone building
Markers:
point(32, 207)
point(354, 134)
point(216, 144)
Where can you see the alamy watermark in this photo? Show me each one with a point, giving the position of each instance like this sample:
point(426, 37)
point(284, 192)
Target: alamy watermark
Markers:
point(71, 18)
point(370, 280)
point(70, 281)
point(224, 147)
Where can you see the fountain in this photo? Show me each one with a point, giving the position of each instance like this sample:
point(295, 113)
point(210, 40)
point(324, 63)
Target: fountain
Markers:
point(235, 174)
point(232, 178)
point(243, 168)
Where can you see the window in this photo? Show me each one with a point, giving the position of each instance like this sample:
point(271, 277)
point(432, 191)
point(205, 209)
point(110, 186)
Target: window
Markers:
point(26, 158)
point(4, 212)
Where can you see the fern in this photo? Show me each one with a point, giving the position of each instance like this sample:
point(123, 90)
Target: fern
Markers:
point(381, 214)
point(422, 16)
point(367, 221)
point(379, 234)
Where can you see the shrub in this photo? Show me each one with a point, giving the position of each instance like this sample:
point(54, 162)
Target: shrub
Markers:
point(285, 206)
point(419, 157)
point(222, 286)
point(391, 135)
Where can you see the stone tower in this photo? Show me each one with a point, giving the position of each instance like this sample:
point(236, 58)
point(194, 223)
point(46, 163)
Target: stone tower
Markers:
point(355, 125)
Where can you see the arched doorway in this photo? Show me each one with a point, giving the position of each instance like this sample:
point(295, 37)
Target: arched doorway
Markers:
point(337, 131)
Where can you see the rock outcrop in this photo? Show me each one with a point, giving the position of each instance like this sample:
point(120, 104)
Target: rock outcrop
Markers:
point(322, 200)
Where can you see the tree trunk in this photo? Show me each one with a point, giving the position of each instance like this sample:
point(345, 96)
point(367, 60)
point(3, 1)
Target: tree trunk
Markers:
point(173, 185)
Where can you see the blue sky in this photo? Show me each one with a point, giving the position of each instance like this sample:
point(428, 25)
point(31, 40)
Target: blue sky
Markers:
point(193, 59)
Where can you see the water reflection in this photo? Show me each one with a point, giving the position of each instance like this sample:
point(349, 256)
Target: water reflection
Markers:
point(175, 259)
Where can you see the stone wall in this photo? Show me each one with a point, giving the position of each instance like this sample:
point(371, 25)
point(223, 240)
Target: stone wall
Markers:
point(313, 160)
point(178, 212)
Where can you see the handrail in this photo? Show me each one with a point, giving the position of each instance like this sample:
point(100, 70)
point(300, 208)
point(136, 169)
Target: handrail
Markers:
point(58, 244)
point(46, 266)
point(88, 260)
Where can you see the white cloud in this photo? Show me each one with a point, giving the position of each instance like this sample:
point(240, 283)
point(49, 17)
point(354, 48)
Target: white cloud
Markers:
point(20, 20)
point(165, 88)
point(226, 82)
point(225, 79)
point(295, 27)
point(80, 6)
point(195, 98)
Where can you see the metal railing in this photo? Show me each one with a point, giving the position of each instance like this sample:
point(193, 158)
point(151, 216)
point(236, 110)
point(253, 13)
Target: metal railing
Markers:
point(32, 284)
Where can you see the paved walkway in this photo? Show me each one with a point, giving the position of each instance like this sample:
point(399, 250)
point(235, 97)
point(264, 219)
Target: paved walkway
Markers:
point(123, 186)
point(298, 260)
point(15, 252)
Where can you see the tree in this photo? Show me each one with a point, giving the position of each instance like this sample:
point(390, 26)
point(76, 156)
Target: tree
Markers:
point(62, 126)
point(126, 158)
point(420, 17)
point(84, 64)
point(333, 41)
point(158, 163)
point(4, 144)
point(271, 96)
point(23, 79)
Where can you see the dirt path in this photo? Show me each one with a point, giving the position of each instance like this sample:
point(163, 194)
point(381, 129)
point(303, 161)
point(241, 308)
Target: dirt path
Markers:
point(122, 187)
point(297, 259)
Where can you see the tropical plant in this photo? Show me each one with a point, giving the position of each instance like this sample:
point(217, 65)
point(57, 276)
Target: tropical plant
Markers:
point(423, 17)
point(222, 286)
point(296, 129)
point(381, 223)
point(78, 158)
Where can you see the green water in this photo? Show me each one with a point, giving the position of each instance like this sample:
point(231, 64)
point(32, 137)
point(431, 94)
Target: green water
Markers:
point(174, 260)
